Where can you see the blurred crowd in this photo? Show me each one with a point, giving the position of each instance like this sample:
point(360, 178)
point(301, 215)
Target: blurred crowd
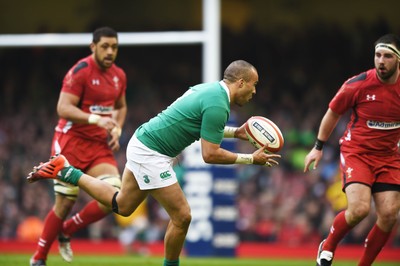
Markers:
point(299, 71)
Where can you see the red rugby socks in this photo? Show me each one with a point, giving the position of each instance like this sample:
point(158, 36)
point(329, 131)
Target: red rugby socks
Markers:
point(374, 243)
point(337, 232)
point(52, 227)
point(89, 214)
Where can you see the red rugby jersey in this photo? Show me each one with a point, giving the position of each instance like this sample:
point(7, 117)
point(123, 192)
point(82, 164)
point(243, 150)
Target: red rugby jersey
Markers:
point(374, 126)
point(98, 91)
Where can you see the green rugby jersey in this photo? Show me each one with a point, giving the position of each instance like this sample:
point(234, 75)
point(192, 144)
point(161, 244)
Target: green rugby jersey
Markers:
point(201, 112)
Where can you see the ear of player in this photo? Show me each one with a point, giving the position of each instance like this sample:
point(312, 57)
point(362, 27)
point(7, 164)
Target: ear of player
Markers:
point(261, 131)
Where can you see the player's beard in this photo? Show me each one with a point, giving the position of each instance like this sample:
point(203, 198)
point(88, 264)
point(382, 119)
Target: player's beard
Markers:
point(105, 62)
point(387, 73)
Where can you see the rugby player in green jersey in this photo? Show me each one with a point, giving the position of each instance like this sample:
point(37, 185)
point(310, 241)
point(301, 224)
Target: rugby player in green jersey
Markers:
point(201, 113)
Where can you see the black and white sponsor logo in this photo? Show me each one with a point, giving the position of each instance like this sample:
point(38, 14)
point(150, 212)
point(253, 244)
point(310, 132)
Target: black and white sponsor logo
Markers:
point(99, 109)
point(264, 132)
point(383, 125)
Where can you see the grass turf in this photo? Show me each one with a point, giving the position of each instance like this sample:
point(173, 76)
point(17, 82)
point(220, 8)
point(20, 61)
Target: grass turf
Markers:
point(126, 260)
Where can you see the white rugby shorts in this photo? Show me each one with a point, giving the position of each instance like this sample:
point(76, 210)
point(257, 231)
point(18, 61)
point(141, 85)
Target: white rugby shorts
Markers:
point(151, 169)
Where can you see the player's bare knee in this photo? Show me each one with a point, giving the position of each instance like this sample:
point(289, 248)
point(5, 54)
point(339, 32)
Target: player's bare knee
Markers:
point(358, 213)
point(125, 210)
point(183, 219)
point(388, 217)
point(124, 213)
point(122, 205)
point(63, 206)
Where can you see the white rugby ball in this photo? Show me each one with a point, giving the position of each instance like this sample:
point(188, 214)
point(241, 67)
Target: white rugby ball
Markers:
point(261, 131)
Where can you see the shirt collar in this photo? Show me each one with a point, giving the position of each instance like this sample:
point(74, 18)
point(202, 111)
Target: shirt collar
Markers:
point(223, 84)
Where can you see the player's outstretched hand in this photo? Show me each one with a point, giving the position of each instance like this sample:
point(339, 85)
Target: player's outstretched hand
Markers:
point(263, 157)
point(313, 156)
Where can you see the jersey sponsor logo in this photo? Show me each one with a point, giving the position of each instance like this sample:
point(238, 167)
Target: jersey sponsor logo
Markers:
point(383, 125)
point(99, 109)
point(165, 175)
point(95, 82)
point(371, 97)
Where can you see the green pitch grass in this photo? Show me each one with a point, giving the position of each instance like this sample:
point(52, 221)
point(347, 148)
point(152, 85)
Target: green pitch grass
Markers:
point(80, 260)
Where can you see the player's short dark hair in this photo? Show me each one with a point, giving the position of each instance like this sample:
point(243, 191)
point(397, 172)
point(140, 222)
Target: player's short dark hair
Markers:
point(238, 69)
point(103, 32)
point(389, 39)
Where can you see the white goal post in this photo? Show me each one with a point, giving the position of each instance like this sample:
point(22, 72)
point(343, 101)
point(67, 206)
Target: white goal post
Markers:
point(209, 37)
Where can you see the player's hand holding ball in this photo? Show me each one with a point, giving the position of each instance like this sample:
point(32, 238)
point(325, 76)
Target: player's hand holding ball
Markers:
point(266, 136)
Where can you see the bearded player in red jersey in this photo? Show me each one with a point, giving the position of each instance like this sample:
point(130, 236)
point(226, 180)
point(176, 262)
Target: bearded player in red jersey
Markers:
point(92, 110)
point(369, 156)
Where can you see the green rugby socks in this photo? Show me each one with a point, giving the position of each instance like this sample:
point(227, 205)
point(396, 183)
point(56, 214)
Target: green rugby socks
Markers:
point(171, 262)
point(70, 175)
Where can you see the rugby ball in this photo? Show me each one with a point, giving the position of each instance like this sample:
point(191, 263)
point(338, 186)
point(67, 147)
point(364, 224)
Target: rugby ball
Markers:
point(261, 131)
